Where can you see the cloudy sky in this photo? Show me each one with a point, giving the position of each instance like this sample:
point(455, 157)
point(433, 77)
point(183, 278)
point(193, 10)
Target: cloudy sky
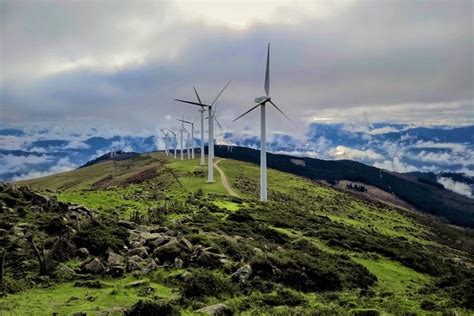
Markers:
point(121, 63)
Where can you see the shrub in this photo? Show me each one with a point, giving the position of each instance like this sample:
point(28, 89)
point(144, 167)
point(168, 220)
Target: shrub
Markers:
point(153, 308)
point(98, 237)
point(206, 283)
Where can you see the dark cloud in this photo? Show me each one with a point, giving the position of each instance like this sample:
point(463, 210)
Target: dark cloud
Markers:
point(122, 63)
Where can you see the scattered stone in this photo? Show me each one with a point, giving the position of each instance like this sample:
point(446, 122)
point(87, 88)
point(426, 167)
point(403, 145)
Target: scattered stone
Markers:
point(186, 276)
point(65, 273)
point(178, 263)
point(140, 251)
point(186, 243)
point(115, 271)
point(82, 253)
point(127, 224)
point(115, 259)
point(95, 266)
point(216, 310)
point(243, 273)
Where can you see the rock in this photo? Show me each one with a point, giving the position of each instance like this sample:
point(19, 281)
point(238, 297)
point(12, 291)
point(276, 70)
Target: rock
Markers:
point(168, 251)
point(153, 243)
point(170, 233)
point(115, 271)
point(82, 253)
point(243, 273)
point(178, 263)
point(186, 276)
point(127, 224)
point(115, 259)
point(186, 243)
point(134, 263)
point(137, 284)
point(151, 266)
point(65, 273)
point(95, 266)
point(140, 251)
point(216, 310)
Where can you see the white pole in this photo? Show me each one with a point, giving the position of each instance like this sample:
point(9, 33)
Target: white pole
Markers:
point(192, 140)
point(181, 131)
point(175, 145)
point(210, 167)
point(187, 146)
point(263, 157)
point(202, 138)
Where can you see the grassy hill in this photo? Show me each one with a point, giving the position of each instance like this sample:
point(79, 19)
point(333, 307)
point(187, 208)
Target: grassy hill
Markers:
point(427, 196)
point(170, 243)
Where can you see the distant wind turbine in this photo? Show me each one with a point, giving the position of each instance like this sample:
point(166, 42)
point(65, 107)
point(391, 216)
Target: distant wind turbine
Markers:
point(175, 141)
point(261, 102)
point(192, 135)
point(210, 156)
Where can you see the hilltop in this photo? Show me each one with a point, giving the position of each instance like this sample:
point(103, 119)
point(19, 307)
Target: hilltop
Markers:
point(147, 234)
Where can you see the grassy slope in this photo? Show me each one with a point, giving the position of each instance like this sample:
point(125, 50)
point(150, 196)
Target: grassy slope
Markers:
point(400, 282)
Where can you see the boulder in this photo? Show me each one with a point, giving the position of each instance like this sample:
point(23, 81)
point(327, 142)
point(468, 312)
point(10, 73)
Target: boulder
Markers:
point(115, 259)
point(127, 224)
point(65, 273)
point(216, 310)
point(168, 251)
point(134, 263)
point(115, 271)
point(140, 251)
point(186, 243)
point(95, 266)
point(243, 273)
point(178, 263)
point(82, 253)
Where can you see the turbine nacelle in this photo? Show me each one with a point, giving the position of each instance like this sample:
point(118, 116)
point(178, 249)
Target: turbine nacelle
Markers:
point(262, 99)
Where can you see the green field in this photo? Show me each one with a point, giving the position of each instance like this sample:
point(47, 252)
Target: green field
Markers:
point(305, 224)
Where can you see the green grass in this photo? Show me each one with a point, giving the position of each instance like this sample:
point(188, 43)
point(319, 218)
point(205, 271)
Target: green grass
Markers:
point(66, 299)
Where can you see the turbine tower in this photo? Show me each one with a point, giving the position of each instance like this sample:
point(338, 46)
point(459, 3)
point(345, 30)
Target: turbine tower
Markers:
point(166, 139)
point(261, 102)
point(175, 141)
point(192, 135)
point(210, 156)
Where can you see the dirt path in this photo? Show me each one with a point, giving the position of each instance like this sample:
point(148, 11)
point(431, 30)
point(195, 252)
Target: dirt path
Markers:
point(225, 183)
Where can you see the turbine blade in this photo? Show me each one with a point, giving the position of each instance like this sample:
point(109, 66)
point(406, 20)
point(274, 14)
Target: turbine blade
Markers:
point(276, 107)
point(190, 102)
point(217, 97)
point(247, 111)
point(267, 72)
point(219, 124)
point(197, 95)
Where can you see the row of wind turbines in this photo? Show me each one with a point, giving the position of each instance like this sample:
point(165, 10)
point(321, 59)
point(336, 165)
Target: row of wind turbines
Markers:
point(260, 102)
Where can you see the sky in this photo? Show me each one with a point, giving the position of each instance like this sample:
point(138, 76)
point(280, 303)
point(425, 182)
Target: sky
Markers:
point(119, 64)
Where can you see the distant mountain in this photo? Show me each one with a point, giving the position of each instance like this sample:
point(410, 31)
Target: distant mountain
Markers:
point(427, 196)
point(116, 156)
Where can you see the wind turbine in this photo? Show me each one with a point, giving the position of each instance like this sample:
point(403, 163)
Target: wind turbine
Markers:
point(181, 138)
point(175, 141)
point(166, 139)
point(261, 102)
point(210, 156)
point(192, 135)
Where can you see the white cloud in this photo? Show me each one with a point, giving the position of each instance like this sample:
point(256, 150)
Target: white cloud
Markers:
point(63, 165)
point(343, 152)
point(455, 186)
point(11, 163)
point(395, 165)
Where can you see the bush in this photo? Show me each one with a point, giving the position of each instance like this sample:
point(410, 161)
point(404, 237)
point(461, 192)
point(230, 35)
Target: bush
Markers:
point(206, 283)
point(98, 237)
point(153, 308)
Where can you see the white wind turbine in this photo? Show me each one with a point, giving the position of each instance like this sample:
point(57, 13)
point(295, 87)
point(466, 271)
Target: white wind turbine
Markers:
point(210, 156)
point(192, 135)
point(261, 102)
point(166, 139)
point(175, 141)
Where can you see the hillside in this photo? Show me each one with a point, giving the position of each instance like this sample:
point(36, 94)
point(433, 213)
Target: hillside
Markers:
point(148, 236)
point(427, 196)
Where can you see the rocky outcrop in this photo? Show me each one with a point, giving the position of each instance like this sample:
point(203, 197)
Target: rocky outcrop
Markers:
point(243, 273)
